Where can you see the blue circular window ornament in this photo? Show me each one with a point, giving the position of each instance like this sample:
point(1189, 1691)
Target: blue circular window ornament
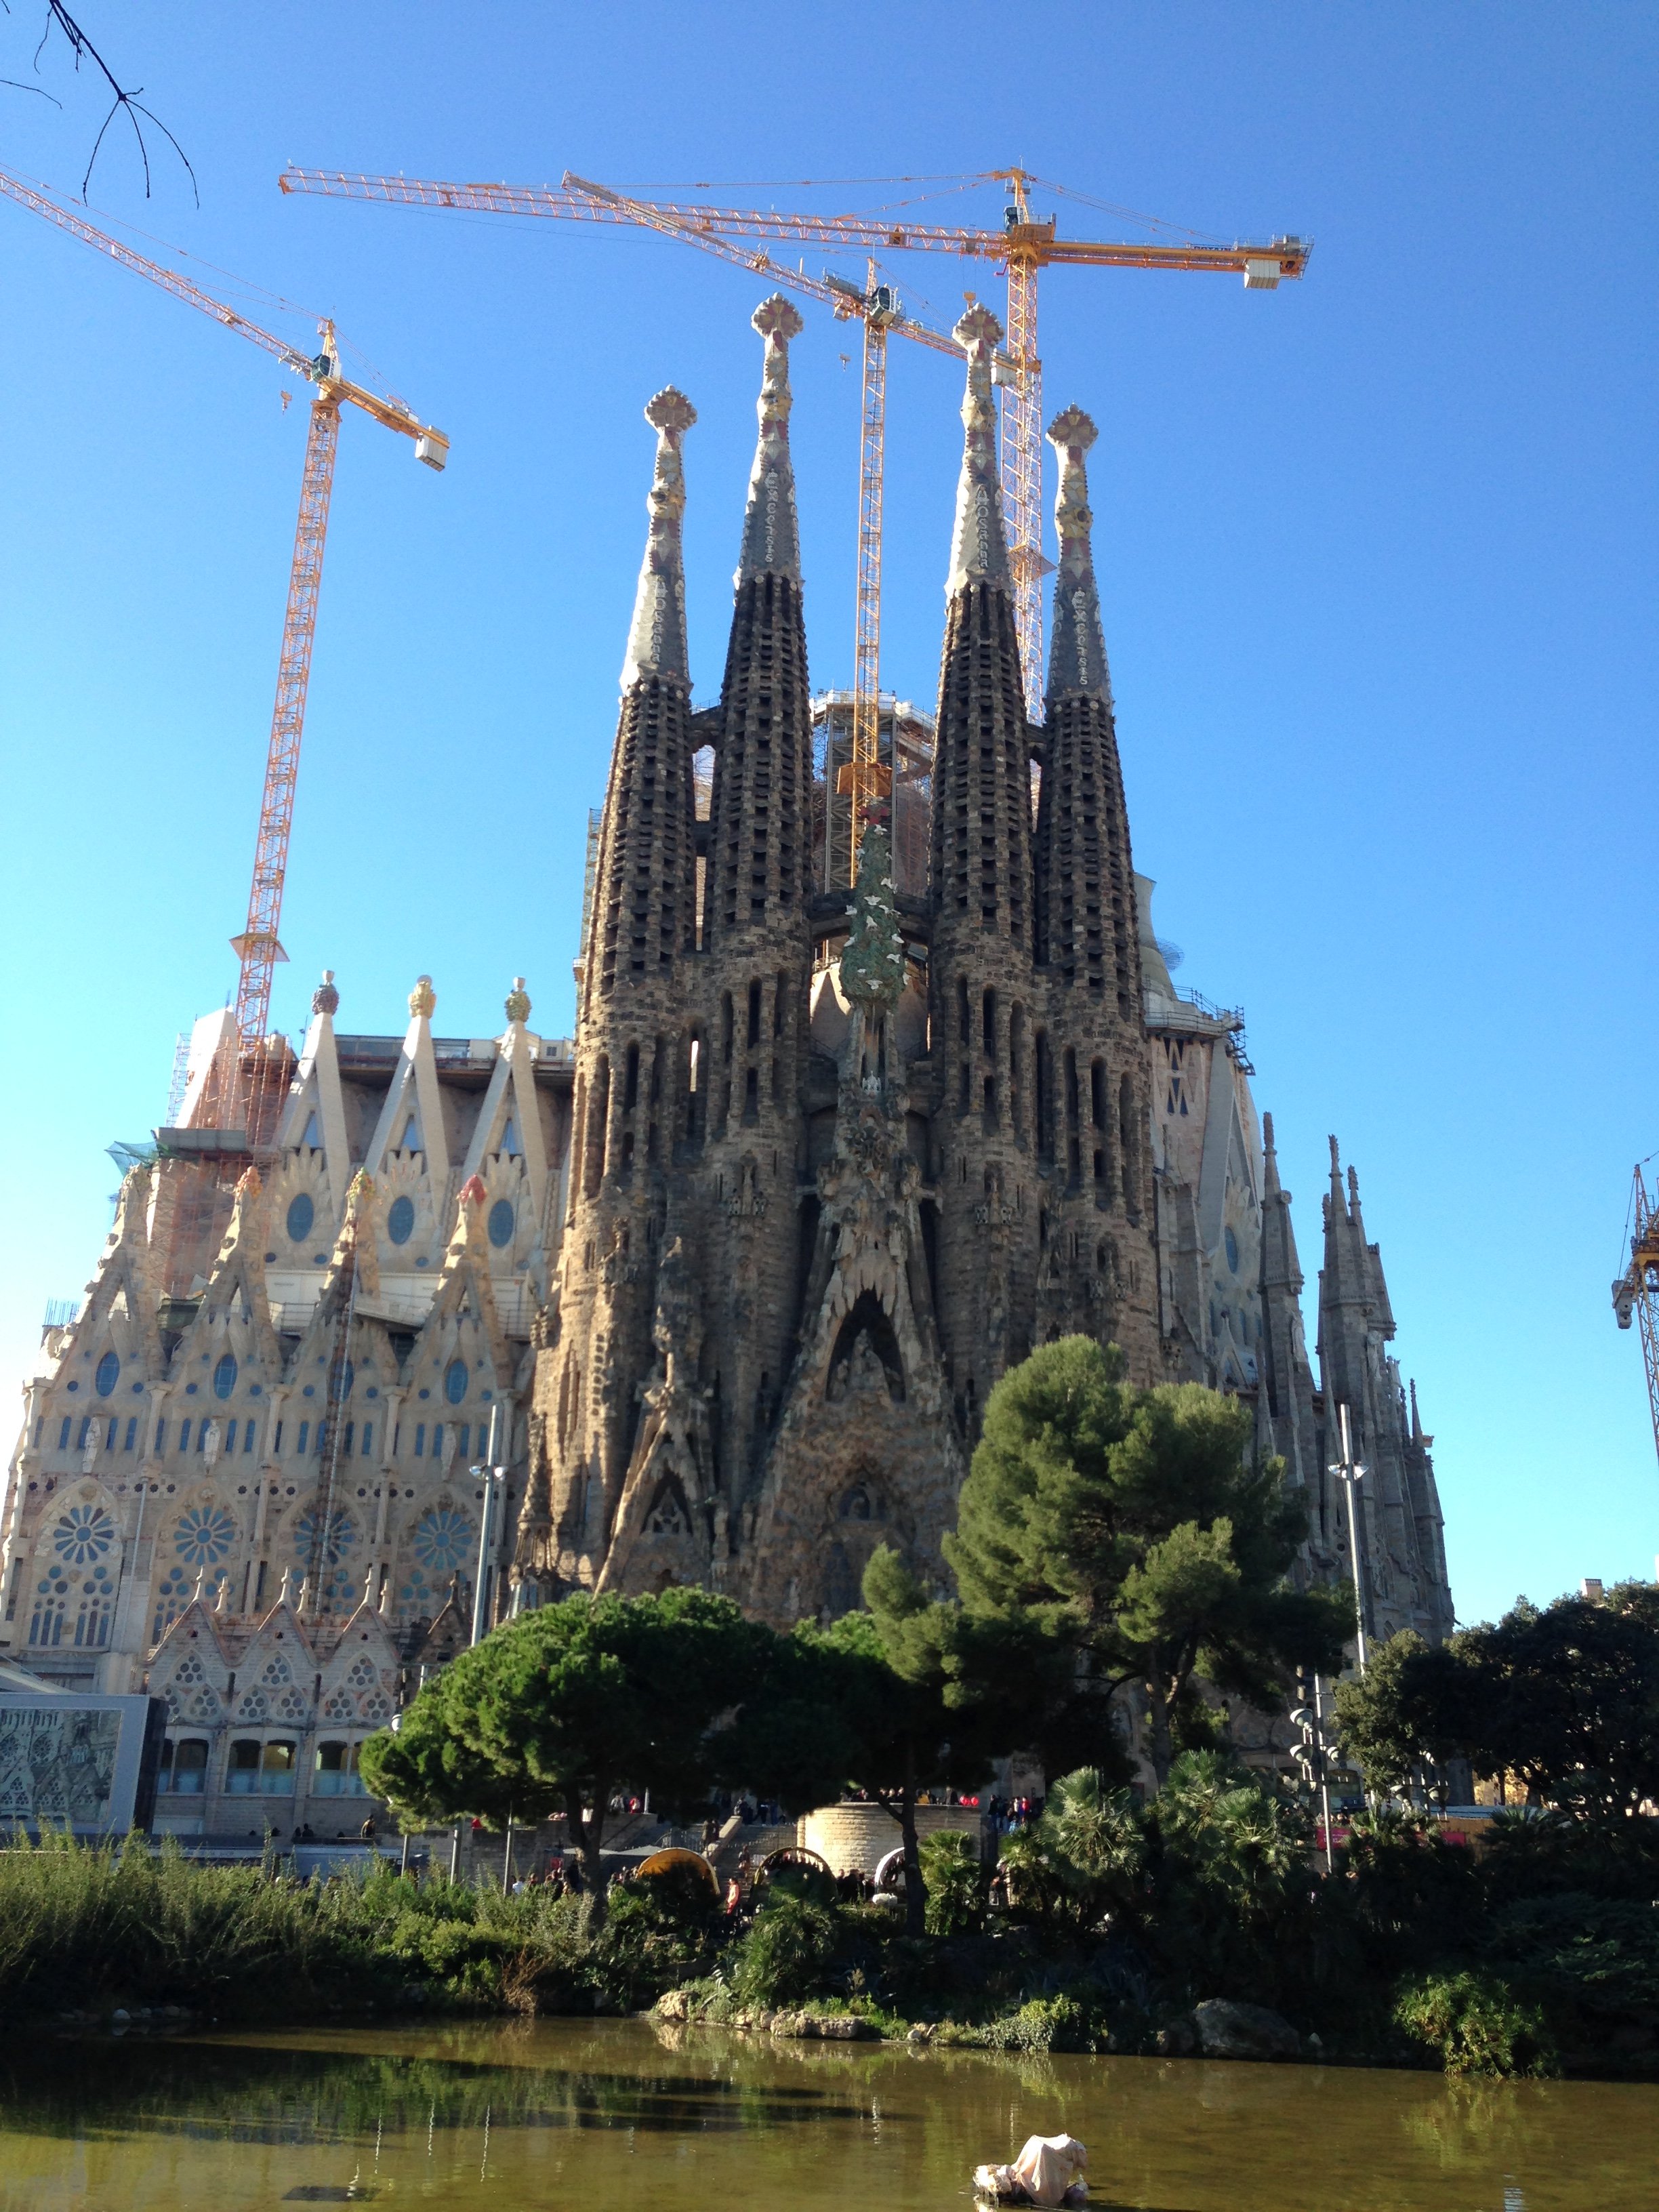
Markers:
point(301, 1215)
point(205, 1536)
point(224, 1375)
point(443, 1538)
point(455, 1381)
point(85, 1532)
point(502, 1222)
point(108, 1374)
point(400, 1221)
point(1232, 1252)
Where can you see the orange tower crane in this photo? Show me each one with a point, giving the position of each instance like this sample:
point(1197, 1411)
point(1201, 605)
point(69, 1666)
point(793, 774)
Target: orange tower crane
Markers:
point(1025, 245)
point(876, 306)
point(1635, 1293)
point(257, 948)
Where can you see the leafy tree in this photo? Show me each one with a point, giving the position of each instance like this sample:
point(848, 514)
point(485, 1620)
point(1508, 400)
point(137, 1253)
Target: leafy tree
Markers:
point(567, 1704)
point(1135, 1522)
point(1564, 1696)
point(907, 1696)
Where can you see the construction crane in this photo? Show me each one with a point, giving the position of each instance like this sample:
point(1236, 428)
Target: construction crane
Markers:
point(257, 948)
point(875, 307)
point(1025, 245)
point(1635, 1293)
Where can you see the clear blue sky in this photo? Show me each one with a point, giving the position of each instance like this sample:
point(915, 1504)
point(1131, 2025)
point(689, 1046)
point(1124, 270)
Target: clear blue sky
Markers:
point(1378, 559)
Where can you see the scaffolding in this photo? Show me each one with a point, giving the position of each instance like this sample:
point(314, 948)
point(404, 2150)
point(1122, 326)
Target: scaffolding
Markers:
point(907, 788)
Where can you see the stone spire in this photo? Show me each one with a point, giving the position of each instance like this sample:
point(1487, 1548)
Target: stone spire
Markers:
point(982, 774)
point(771, 534)
point(1086, 917)
point(760, 808)
point(979, 551)
point(643, 910)
point(1076, 657)
point(656, 643)
point(1287, 1376)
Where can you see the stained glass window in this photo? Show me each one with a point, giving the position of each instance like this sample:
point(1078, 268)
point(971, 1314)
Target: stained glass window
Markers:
point(400, 1221)
point(302, 1213)
point(108, 1374)
point(85, 1532)
point(455, 1381)
point(224, 1375)
point(205, 1535)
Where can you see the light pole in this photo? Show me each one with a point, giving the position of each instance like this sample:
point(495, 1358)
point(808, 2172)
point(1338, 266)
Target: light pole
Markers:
point(1350, 1474)
point(1312, 1757)
point(494, 1478)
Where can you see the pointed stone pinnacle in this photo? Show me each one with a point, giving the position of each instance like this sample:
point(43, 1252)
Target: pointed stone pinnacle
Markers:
point(771, 532)
point(326, 999)
point(1076, 658)
point(656, 640)
point(979, 550)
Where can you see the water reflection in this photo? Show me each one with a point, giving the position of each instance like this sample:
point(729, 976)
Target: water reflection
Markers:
point(556, 2112)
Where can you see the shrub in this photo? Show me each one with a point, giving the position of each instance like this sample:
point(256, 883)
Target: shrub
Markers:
point(958, 1884)
point(1476, 2022)
point(1057, 2023)
point(784, 1958)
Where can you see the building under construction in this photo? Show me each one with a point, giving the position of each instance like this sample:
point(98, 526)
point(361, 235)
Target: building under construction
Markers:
point(724, 1283)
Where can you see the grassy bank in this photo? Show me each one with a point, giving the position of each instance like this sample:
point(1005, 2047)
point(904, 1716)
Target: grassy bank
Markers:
point(1112, 1923)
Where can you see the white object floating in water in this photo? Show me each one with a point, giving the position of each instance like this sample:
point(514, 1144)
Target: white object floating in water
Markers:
point(1049, 2171)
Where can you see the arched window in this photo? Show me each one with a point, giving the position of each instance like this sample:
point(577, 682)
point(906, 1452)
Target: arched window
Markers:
point(400, 1219)
point(337, 1774)
point(108, 1374)
point(224, 1375)
point(455, 1381)
point(184, 1766)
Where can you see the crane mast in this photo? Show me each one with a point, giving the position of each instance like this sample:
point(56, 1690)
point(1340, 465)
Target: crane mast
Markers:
point(1021, 247)
point(1635, 1293)
point(258, 949)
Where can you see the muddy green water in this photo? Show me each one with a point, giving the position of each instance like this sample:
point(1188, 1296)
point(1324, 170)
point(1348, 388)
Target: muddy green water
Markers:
point(571, 2114)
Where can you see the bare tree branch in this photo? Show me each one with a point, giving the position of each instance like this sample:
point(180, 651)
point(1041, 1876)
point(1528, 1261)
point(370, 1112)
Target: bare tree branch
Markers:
point(122, 102)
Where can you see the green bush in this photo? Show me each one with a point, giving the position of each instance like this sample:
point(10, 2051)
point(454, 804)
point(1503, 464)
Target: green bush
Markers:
point(786, 1953)
point(1477, 2024)
point(958, 1884)
point(1057, 2023)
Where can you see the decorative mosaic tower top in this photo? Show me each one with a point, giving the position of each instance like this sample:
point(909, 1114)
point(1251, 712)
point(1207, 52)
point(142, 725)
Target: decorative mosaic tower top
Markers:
point(771, 532)
point(1076, 658)
point(873, 961)
point(656, 643)
point(979, 550)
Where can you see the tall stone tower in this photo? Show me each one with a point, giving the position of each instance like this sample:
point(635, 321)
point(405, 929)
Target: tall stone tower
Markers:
point(1099, 1267)
point(1403, 1560)
point(987, 1015)
point(634, 1062)
point(756, 951)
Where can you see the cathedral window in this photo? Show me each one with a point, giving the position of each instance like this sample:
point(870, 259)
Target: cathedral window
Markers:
point(133, 1433)
point(337, 1774)
point(502, 1222)
point(247, 1438)
point(184, 1766)
point(161, 1437)
point(184, 1435)
point(64, 1434)
point(302, 1213)
point(305, 1432)
point(224, 1375)
point(107, 1375)
point(230, 1438)
point(400, 1219)
point(420, 1439)
point(455, 1381)
point(260, 1770)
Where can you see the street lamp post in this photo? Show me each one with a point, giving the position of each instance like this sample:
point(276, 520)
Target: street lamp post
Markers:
point(1350, 1473)
point(494, 1478)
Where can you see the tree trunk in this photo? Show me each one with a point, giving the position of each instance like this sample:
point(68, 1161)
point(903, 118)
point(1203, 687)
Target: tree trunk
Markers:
point(915, 1897)
point(1157, 1733)
point(587, 1832)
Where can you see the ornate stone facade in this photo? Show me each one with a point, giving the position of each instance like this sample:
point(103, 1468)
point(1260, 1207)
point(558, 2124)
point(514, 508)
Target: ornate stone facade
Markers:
point(724, 1286)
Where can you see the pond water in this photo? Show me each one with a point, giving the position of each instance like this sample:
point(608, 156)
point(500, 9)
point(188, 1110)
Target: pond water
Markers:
point(618, 2113)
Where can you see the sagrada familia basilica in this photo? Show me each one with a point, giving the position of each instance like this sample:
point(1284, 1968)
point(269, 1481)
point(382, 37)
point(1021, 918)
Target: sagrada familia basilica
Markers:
point(722, 1286)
